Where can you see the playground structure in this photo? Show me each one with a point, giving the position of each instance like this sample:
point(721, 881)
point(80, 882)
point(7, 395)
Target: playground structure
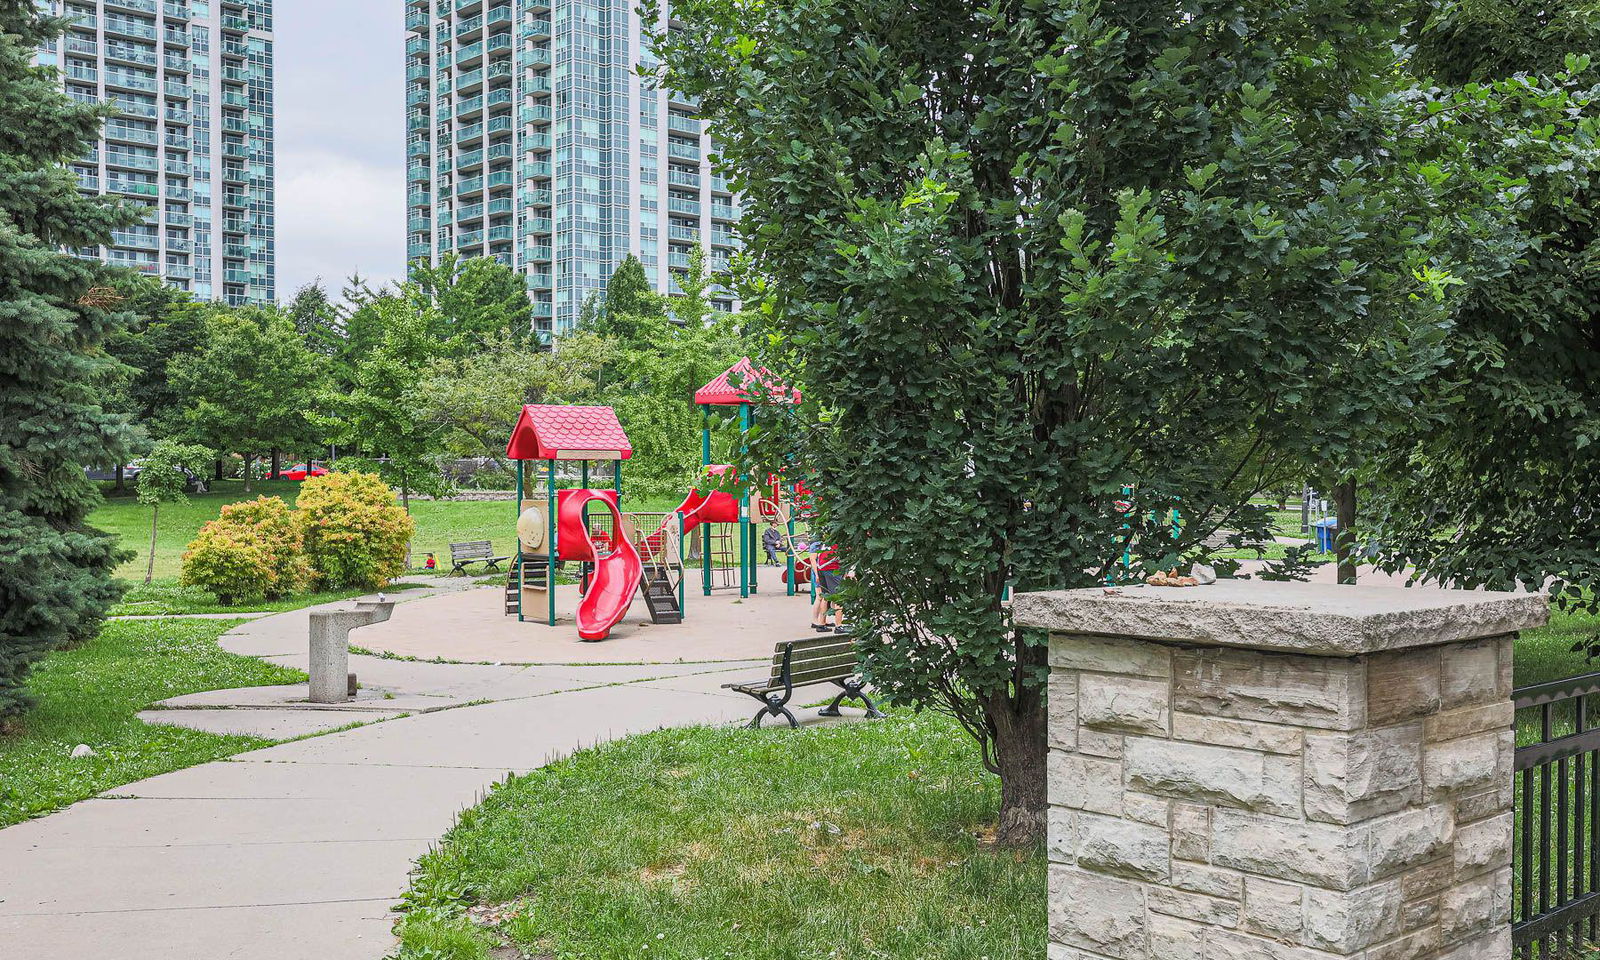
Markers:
point(618, 553)
point(727, 516)
point(555, 526)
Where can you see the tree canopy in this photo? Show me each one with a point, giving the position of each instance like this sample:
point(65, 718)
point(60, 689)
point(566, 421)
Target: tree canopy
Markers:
point(1032, 261)
point(56, 313)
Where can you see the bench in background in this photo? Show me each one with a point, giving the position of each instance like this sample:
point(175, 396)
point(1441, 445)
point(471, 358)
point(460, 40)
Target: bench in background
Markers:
point(803, 663)
point(473, 551)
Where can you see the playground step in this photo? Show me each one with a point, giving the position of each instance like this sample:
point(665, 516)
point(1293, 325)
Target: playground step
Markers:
point(660, 597)
point(537, 575)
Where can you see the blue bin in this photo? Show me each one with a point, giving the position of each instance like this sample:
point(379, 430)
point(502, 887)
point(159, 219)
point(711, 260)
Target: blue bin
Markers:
point(1327, 529)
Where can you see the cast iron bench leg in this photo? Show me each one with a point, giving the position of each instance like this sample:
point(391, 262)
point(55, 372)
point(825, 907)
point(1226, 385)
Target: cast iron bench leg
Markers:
point(852, 690)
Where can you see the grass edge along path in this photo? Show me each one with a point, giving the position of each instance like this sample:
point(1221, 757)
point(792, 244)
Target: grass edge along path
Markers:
point(711, 843)
point(91, 695)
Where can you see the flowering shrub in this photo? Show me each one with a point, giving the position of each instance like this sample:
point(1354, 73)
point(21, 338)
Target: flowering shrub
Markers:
point(252, 551)
point(355, 532)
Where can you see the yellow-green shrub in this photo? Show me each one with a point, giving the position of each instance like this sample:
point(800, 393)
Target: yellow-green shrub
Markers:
point(355, 532)
point(252, 551)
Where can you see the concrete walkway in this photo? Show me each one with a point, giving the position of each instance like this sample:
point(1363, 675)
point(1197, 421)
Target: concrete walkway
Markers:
point(299, 850)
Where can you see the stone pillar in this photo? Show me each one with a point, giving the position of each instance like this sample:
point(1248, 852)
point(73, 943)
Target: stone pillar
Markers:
point(1280, 771)
point(330, 647)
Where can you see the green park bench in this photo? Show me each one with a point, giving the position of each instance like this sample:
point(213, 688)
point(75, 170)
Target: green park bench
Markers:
point(803, 663)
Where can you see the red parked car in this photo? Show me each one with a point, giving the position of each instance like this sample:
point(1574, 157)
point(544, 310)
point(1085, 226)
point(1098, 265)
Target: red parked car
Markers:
point(301, 470)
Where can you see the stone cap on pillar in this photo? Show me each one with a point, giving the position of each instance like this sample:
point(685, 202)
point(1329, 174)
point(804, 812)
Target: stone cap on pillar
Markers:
point(1308, 618)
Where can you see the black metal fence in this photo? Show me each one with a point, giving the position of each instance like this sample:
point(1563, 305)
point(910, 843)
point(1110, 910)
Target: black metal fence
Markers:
point(1556, 846)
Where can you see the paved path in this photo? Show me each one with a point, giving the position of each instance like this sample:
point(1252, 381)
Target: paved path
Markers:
point(299, 850)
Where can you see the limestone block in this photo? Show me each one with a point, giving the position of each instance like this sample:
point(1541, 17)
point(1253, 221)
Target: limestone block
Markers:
point(1103, 654)
point(1218, 775)
point(1191, 832)
point(1211, 911)
point(1484, 845)
point(1400, 841)
point(1273, 687)
point(1211, 881)
point(1472, 673)
point(1098, 913)
point(1465, 765)
point(1062, 702)
point(1061, 835)
point(1128, 704)
point(1466, 721)
point(1173, 938)
point(1351, 777)
point(1084, 783)
point(1470, 907)
point(1411, 946)
point(1155, 811)
point(1426, 880)
point(1273, 909)
point(1402, 685)
point(1244, 734)
point(1322, 619)
point(1347, 922)
point(1232, 945)
point(1122, 848)
point(1326, 855)
point(1416, 914)
point(1496, 945)
point(1099, 743)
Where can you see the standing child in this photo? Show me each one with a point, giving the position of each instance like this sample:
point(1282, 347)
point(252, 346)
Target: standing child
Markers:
point(829, 581)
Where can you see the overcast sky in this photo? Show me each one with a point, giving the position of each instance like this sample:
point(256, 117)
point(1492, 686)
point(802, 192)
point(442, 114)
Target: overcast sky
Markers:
point(340, 141)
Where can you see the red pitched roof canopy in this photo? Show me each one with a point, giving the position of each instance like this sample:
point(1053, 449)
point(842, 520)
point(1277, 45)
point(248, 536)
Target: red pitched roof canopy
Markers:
point(550, 432)
point(728, 389)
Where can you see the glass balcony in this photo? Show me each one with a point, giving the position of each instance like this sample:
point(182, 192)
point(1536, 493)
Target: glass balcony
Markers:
point(179, 192)
point(537, 169)
point(724, 211)
point(137, 188)
point(88, 181)
point(418, 173)
point(417, 71)
point(683, 150)
point(539, 281)
point(682, 178)
point(542, 308)
point(128, 27)
point(687, 207)
point(142, 6)
point(498, 42)
point(234, 47)
point(499, 206)
point(179, 271)
point(497, 234)
point(177, 36)
point(537, 28)
point(538, 113)
point(536, 198)
point(419, 198)
point(236, 23)
point(175, 11)
point(683, 124)
point(536, 85)
point(86, 74)
point(540, 225)
point(500, 14)
point(179, 245)
point(419, 251)
point(417, 46)
point(499, 151)
point(175, 219)
point(134, 161)
point(418, 148)
point(537, 254)
point(501, 179)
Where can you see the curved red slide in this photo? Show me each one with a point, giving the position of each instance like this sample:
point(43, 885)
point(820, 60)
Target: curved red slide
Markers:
point(616, 574)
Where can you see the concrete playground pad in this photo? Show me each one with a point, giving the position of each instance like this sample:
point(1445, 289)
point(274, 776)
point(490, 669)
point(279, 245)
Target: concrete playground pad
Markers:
point(472, 626)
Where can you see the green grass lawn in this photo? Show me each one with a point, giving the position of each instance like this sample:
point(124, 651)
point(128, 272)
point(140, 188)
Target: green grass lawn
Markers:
point(90, 695)
point(439, 523)
point(861, 839)
point(1546, 654)
point(168, 597)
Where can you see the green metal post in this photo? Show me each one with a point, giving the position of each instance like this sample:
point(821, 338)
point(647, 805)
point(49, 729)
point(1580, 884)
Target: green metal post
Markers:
point(583, 475)
point(705, 461)
point(516, 565)
point(747, 573)
point(550, 573)
point(790, 591)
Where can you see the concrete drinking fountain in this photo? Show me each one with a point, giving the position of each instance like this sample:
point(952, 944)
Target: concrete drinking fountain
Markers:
point(331, 679)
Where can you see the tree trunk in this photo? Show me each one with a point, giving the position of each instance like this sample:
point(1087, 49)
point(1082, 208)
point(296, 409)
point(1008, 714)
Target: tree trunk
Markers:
point(405, 501)
point(247, 471)
point(150, 568)
point(1019, 722)
point(277, 464)
point(216, 471)
point(119, 486)
point(1344, 505)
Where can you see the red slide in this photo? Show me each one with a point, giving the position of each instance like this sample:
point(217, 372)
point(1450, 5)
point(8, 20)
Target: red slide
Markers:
point(616, 574)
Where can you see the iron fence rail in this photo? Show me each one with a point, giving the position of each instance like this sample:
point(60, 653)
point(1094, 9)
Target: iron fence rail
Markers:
point(1556, 798)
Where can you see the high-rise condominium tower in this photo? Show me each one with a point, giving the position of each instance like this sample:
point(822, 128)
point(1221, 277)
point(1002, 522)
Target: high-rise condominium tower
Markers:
point(192, 81)
point(532, 139)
